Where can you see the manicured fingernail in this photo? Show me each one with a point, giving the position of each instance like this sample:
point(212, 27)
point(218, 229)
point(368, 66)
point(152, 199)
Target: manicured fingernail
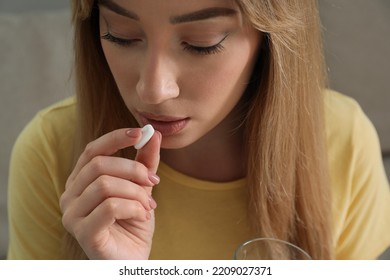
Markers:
point(152, 203)
point(132, 133)
point(154, 178)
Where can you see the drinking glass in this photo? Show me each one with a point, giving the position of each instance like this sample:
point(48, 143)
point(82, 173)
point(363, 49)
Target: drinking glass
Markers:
point(269, 249)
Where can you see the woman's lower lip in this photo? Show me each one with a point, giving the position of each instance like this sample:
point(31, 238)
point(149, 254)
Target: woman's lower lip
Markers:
point(168, 128)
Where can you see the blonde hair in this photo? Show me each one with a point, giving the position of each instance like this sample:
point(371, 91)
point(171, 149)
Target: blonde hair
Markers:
point(288, 189)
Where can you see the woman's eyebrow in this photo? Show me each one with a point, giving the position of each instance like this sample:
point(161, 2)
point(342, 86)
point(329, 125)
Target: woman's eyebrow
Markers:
point(118, 9)
point(203, 14)
point(193, 16)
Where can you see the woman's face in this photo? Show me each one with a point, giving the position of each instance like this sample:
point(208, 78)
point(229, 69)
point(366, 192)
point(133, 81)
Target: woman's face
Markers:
point(181, 66)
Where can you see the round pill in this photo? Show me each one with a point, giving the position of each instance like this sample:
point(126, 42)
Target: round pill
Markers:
point(147, 133)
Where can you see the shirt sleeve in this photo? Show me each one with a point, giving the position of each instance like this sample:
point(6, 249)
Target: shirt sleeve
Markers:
point(33, 193)
point(366, 227)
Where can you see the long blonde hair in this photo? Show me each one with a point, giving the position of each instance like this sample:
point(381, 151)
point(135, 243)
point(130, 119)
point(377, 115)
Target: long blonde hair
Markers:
point(288, 189)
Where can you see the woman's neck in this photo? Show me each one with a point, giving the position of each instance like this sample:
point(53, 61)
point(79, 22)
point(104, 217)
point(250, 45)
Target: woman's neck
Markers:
point(219, 156)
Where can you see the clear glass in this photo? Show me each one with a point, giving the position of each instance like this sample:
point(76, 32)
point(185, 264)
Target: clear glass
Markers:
point(269, 249)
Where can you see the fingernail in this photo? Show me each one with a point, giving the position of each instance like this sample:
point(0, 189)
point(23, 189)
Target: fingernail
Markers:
point(152, 203)
point(154, 178)
point(132, 133)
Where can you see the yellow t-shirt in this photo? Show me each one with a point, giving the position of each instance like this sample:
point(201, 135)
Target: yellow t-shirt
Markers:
point(197, 219)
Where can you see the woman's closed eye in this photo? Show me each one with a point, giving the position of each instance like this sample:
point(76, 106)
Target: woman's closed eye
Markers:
point(205, 50)
point(194, 49)
point(119, 41)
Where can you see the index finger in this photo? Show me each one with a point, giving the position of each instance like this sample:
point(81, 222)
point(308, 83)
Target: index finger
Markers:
point(107, 145)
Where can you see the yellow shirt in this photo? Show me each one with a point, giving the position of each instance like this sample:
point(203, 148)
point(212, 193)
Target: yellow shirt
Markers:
point(197, 219)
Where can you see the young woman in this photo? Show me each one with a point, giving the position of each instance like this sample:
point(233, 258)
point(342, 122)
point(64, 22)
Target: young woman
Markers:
point(248, 141)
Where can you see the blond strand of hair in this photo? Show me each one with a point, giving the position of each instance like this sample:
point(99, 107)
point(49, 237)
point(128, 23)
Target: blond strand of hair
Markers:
point(289, 195)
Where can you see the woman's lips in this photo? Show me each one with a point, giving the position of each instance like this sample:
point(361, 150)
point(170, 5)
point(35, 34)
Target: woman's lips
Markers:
point(166, 125)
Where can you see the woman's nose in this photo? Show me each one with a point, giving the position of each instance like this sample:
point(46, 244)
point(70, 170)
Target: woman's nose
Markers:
point(157, 80)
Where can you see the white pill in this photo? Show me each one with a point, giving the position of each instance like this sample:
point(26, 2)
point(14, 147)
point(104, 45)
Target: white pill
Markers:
point(147, 133)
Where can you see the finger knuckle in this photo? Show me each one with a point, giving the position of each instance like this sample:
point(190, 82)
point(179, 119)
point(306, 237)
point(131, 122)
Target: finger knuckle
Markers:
point(67, 221)
point(110, 206)
point(103, 186)
point(89, 150)
point(63, 202)
point(97, 164)
point(138, 168)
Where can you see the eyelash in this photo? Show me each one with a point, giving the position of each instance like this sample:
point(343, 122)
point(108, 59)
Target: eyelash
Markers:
point(217, 48)
point(116, 40)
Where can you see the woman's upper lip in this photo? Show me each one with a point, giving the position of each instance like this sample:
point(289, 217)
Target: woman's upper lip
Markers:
point(160, 118)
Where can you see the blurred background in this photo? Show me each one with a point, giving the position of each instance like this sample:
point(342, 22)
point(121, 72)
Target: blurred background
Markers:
point(36, 58)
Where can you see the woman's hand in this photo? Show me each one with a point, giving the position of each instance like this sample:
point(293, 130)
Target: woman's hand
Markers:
point(107, 204)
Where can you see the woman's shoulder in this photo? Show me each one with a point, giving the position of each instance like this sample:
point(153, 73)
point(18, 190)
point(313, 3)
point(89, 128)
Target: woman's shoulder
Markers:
point(340, 107)
point(58, 119)
point(360, 190)
point(345, 120)
point(41, 161)
point(50, 134)
point(350, 133)
point(60, 110)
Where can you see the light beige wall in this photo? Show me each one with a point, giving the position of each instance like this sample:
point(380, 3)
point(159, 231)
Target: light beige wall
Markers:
point(357, 44)
point(17, 6)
